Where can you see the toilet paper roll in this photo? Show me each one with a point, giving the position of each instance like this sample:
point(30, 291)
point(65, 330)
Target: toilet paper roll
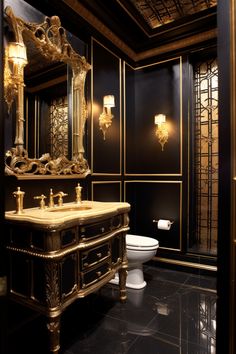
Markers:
point(164, 224)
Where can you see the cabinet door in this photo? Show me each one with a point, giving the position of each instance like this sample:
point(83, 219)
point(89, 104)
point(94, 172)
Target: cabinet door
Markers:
point(116, 249)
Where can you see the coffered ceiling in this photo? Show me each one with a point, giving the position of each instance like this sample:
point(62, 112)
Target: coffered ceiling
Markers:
point(157, 13)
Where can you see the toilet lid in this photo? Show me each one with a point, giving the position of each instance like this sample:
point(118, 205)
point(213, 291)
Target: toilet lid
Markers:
point(141, 241)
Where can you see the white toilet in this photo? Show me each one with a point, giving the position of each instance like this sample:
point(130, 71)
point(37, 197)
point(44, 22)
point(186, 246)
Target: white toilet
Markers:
point(140, 249)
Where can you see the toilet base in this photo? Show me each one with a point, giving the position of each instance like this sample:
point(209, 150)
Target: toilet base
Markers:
point(134, 280)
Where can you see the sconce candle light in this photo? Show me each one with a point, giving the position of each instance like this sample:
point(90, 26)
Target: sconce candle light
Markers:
point(15, 60)
point(161, 129)
point(105, 118)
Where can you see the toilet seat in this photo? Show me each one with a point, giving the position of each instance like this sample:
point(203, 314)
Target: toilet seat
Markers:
point(141, 242)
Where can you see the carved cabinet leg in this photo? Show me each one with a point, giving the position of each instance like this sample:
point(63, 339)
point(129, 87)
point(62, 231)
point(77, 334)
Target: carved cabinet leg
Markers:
point(122, 281)
point(53, 326)
point(123, 272)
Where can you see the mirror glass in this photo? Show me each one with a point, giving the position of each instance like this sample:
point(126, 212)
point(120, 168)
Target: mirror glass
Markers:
point(44, 84)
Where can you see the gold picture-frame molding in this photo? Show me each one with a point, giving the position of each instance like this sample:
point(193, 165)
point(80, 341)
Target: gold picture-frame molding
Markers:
point(181, 120)
point(94, 173)
point(180, 207)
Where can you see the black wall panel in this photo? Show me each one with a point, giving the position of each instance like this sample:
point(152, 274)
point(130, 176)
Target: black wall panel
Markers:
point(106, 191)
point(106, 80)
point(37, 187)
point(151, 90)
point(154, 200)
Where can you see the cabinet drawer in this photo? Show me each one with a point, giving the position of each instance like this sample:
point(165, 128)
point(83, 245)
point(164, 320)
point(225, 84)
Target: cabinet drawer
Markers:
point(94, 275)
point(94, 255)
point(100, 228)
point(95, 230)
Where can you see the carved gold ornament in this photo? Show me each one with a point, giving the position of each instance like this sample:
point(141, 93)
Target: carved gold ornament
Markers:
point(50, 40)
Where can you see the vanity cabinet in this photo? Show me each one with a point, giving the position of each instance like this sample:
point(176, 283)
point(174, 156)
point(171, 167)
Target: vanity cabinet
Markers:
point(51, 264)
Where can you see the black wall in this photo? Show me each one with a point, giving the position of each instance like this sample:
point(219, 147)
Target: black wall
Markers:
point(106, 80)
point(156, 89)
point(154, 182)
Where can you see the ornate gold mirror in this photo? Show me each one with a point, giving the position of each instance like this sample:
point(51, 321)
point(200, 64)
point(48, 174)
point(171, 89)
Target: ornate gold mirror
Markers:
point(44, 46)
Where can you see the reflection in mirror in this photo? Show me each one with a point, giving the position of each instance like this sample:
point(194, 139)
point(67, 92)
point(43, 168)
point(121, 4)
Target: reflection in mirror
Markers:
point(54, 75)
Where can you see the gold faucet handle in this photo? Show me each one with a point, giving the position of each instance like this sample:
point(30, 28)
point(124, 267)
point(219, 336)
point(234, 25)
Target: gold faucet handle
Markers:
point(62, 194)
point(41, 201)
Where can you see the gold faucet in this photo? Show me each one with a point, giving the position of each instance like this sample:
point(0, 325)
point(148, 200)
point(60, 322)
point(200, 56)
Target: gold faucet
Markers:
point(59, 195)
point(78, 190)
point(19, 195)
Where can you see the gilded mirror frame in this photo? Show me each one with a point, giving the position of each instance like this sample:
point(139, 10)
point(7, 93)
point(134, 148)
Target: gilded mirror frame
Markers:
point(50, 40)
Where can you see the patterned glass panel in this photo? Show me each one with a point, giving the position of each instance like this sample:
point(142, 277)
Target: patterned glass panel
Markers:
point(205, 231)
point(59, 127)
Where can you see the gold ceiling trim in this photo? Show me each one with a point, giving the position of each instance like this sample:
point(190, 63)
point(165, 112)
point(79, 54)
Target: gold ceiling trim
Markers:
point(179, 44)
point(98, 25)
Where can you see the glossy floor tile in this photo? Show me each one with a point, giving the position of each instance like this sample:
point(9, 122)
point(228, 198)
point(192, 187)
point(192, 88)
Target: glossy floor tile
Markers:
point(174, 314)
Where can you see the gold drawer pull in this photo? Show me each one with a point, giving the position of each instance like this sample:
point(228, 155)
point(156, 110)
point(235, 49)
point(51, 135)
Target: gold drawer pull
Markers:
point(99, 273)
point(99, 255)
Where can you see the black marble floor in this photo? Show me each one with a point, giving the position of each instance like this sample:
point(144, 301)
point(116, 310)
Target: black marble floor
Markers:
point(174, 314)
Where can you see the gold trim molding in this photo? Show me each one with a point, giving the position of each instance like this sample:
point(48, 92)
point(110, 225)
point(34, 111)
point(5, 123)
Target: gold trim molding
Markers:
point(62, 253)
point(99, 26)
point(176, 45)
point(180, 173)
point(180, 207)
point(93, 40)
point(186, 264)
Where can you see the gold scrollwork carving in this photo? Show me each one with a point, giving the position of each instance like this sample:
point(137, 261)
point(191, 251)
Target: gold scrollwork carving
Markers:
point(50, 39)
point(52, 285)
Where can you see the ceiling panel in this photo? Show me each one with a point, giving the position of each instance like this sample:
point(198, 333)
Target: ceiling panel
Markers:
point(157, 13)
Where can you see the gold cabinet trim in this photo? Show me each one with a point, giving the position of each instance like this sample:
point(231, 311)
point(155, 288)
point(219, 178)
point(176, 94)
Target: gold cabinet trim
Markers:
point(59, 254)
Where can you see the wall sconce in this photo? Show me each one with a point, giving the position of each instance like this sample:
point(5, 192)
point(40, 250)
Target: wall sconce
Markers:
point(15, 60)
point(161, 129)
point(105, 118)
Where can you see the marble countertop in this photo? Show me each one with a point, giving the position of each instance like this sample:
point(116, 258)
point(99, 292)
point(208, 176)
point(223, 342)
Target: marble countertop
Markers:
point(67, 212)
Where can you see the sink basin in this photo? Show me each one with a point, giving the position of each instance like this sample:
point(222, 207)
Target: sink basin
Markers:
point(72, 208)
